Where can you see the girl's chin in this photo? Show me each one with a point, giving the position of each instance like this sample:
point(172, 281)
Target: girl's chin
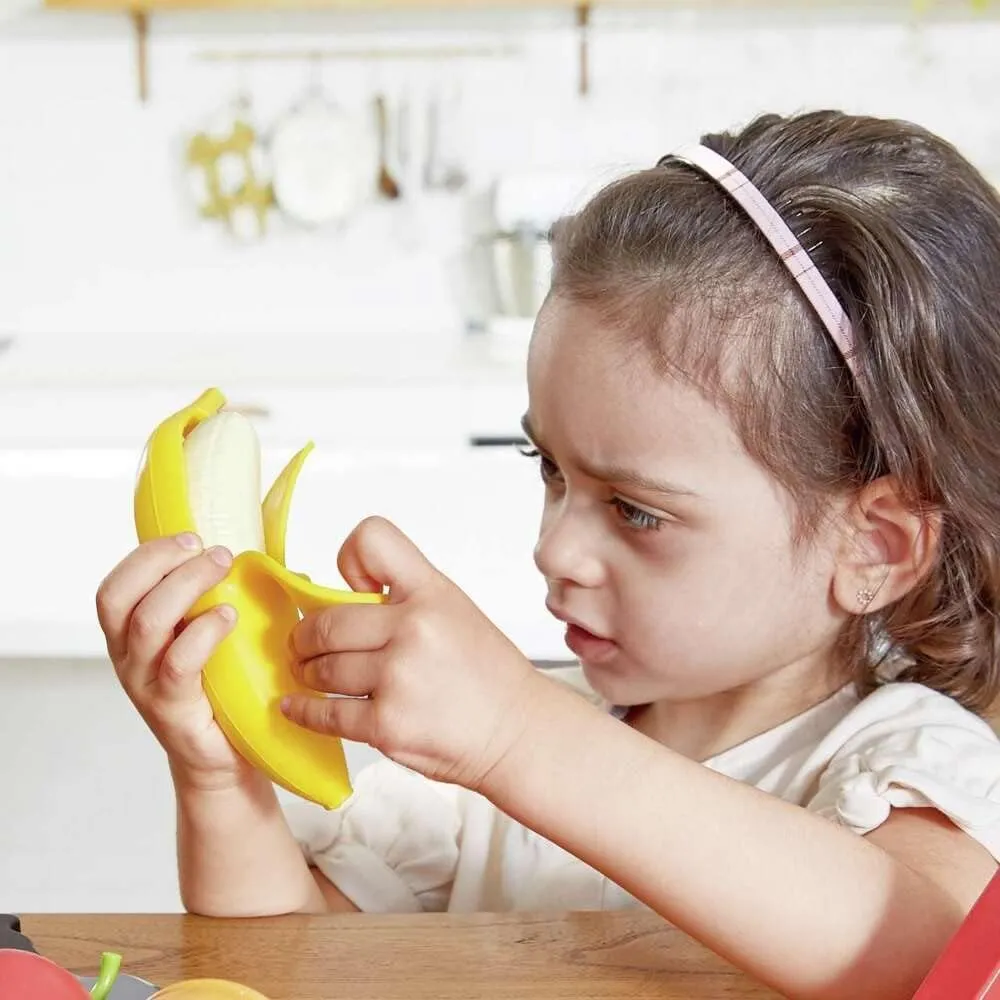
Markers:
point(613, 684)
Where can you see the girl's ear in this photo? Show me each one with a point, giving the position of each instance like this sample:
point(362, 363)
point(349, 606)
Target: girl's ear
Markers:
point(886, 550)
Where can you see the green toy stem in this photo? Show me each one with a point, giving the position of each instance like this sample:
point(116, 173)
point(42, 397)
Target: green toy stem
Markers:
point(110, 964)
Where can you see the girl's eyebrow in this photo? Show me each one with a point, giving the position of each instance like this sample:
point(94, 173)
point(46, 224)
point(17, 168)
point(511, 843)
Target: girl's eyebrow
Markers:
point(618, 474)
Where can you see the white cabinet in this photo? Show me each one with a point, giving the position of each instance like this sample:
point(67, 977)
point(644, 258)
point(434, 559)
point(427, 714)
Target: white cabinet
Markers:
point(87, 811)
point(401, 453)
point(68, 520)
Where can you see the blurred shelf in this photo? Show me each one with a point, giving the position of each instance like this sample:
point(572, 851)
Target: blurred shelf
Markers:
point(141, 10)
point(163, 6)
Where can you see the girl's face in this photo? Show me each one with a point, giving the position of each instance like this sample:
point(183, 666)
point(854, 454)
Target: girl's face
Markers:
point(667, 550)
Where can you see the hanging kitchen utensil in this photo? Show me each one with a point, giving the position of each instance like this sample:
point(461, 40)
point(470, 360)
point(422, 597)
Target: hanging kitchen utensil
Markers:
point(442, 170)
point(454, 178)
point(323, 160)
point(406, 167)
point(432, 153)
point(387, 185)
point(404, 136)
point(226, 171)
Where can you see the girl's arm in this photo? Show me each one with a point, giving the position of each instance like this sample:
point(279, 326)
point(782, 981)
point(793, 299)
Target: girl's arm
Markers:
point(238, 858)
point(808, 907)
point(815, 910)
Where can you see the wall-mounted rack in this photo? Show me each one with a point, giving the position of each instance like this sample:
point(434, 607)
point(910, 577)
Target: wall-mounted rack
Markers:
point(142, 10)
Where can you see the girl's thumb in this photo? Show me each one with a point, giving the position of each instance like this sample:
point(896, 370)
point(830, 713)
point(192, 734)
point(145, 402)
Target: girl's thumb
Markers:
point(377, 554)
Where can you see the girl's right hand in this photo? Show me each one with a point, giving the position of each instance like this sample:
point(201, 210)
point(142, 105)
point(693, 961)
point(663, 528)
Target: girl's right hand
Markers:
point(141, 605)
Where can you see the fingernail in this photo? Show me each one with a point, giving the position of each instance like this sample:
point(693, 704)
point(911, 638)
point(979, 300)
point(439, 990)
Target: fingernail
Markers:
point(189, 540)
point(286, 704)
point(221, 555)
point(227, 612)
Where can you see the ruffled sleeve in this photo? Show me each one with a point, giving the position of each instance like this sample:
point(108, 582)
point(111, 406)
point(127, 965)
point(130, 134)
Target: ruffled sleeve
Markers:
point(392, 847)
point(909, 746)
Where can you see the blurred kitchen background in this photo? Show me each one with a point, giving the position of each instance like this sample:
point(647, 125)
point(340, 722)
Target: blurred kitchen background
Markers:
point(338, 217)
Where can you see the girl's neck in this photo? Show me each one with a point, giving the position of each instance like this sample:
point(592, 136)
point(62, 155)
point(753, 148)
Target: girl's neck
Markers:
point(705, 727)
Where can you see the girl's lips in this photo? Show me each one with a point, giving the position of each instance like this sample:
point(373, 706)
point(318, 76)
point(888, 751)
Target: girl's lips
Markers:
point(589, 648)
point(570, 620)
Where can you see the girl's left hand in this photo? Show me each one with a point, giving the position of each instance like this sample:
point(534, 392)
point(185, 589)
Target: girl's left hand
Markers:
point(431, 682)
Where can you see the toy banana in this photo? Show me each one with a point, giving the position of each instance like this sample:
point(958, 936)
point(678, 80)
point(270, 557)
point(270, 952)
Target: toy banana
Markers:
point(200, 472)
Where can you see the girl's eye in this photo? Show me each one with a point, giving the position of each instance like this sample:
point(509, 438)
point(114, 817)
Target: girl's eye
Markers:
point(632, 516)
point(636, 517)
point(547, 468)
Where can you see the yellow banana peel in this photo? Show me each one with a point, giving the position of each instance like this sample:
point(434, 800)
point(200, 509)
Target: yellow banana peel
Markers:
point(251, 669)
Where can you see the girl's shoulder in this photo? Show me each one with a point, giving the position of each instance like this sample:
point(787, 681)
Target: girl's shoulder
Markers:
point(908, 746)
point(855, 759)
point(916, 720)
point(904, 699)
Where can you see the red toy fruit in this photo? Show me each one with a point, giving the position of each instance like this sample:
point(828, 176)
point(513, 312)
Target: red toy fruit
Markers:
point(24, 974)
point(27, 976)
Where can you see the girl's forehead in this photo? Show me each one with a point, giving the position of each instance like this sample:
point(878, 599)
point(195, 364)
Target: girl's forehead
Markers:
point(572, 341)
point(590, 393)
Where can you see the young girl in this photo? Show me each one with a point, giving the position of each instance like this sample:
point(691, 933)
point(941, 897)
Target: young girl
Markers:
point(772, 498)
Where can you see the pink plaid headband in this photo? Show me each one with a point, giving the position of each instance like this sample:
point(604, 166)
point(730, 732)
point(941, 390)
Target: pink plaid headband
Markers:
point(787, 247)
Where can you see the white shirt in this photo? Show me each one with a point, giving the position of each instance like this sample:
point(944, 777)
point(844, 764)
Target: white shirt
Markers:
point(403, 843)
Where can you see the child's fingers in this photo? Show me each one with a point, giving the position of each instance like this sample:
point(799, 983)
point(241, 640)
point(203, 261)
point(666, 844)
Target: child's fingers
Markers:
point(350, 718)
point(377, 553)
point(134, 577)
point(179, 675)
point(154, 621)
point(344, 628)
point(353, 674)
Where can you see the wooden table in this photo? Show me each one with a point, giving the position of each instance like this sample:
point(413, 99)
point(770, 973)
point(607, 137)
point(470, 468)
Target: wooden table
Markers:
point(579, 956)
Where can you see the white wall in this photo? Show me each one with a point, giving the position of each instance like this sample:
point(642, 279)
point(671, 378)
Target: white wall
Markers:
point(98, 242)
point(98, 237)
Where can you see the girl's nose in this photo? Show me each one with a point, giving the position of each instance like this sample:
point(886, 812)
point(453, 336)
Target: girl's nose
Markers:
point(566, 551)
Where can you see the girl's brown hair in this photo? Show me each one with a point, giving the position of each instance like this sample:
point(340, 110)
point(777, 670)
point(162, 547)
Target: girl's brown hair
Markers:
point(907, 233)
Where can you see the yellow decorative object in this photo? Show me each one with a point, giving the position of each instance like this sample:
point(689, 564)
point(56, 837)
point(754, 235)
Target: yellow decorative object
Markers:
point(233, 191)
point(251, 670)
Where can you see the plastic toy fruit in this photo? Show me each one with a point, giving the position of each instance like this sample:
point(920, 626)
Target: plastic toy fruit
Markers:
point(25, 974)
point(207, 989)
point(201, 473)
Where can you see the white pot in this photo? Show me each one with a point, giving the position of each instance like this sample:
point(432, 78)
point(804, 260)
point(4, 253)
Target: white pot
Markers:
point(324, 162)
